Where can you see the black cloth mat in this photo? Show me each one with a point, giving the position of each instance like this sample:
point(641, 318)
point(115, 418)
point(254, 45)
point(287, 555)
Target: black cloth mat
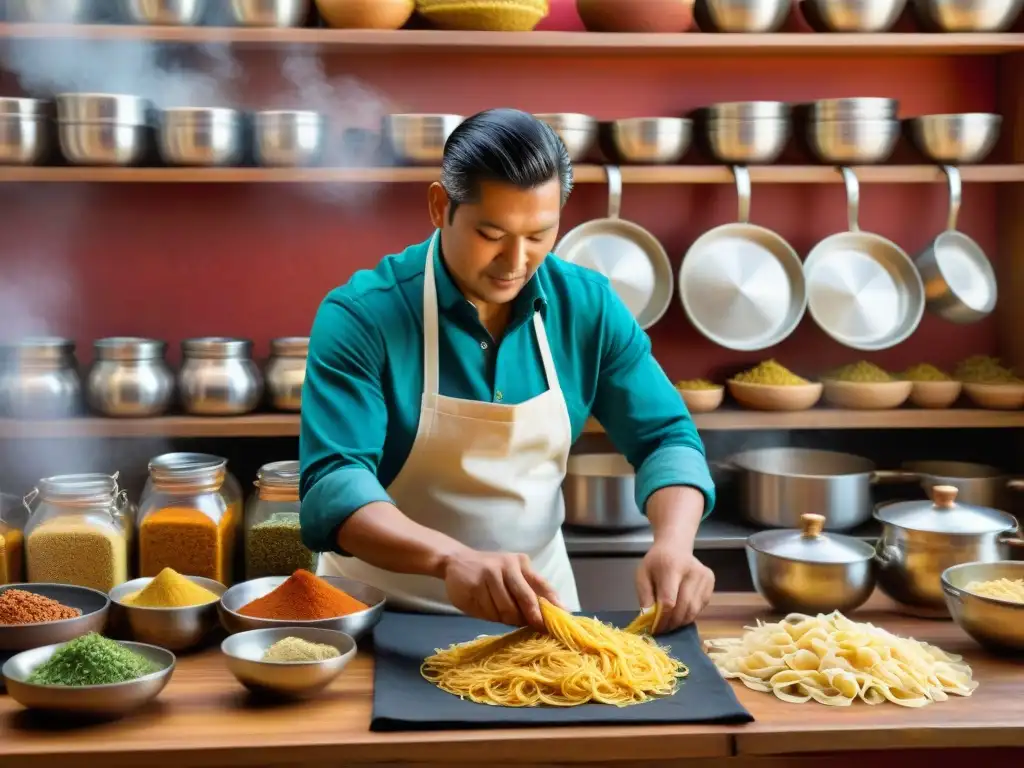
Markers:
point(404, 701)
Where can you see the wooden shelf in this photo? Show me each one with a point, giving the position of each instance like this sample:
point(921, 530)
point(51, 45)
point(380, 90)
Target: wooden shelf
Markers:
point(585, 174)
point(287, 425)
point(548, 43)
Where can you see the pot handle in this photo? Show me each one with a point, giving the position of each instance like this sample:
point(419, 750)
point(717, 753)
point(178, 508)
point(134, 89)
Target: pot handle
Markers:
point(894, 476)
point(742, 176)
point(955, 196)
point(614, 190)
point(852, 199)
point(886, 555)
point(724, 465)
point(953, 593)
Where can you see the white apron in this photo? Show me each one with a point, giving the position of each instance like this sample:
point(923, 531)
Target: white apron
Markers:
point(486, 474)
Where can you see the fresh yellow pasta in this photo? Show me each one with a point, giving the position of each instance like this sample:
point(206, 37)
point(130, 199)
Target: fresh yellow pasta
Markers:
point(835, 661)
point(578, 660)
point(1010, 590)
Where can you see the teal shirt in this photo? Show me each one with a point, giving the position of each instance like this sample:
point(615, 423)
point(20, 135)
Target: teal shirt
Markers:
point(364, 381)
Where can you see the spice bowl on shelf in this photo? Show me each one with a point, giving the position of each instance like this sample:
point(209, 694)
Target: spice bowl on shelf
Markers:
point(107, 700)
point(1007, 396)
point(775, 397)
point(92, 605)
point(959, 139)
point(934, 394)
point(244, 653)
point(355, 624)
point(174, 627)
point(967, 15)
point(700, 396)
point(866, 395)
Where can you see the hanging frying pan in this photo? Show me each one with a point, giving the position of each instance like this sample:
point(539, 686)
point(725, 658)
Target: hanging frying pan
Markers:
point(627, 254)
point(862, 289)
point(959, 282)
point(742, 285)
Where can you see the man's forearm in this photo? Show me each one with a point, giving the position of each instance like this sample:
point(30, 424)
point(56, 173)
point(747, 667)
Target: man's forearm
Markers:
point(675, 513)
point(381, 535)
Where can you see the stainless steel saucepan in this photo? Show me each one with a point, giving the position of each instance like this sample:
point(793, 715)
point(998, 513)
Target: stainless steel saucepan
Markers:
point(599, 493)
point(979, 485)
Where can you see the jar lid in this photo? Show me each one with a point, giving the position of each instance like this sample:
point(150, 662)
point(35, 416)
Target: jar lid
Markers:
point(129, 348)
point(811, 544)
point(216, 347)
point(290, 346)
point(278, 474)
point(170, 467)
point(88, 488)
point(943, 515)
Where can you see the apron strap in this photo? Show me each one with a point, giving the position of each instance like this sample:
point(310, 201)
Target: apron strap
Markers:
point(430, 354)
point(550, 373)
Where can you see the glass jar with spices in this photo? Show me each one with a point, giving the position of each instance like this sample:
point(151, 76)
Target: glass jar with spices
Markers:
point(12, 540)
point(76, 533)
point(190, 517)
point(273, 540)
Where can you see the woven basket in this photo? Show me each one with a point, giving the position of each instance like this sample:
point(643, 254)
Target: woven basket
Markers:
point(485, 15)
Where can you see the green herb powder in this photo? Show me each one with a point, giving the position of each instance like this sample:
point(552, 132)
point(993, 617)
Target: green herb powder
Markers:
point(92, 660)
point(274, 548)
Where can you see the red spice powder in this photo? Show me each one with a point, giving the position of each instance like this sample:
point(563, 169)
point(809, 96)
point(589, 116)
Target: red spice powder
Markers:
point(303, 597)
point(20, 607)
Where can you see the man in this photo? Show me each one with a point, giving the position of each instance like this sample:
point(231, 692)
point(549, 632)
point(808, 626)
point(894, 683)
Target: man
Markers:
point(445, 388)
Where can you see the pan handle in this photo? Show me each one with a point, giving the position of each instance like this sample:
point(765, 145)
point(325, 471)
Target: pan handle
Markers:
point(852, 199)
point(742, 175)
point(956, 192)
point(614, 190)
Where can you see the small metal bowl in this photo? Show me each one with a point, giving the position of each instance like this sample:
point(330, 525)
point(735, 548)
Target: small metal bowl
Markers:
point(270, 13)
point(26, 135)
point(742, 142)
point(355, 624)
point(418, 139)
point(244, 651)
point(853, 142)
point(653, 140)
point(968, 15)
point(201, 136)
point(289, 139)
point(93, 604)
point(578, 132)
point(171, 13)
point(852, 15)
point(50, 11)
point(995, 624)
point(742, 15)
point(87, 700)
point(104, 144)
point(175, 629)
point(955, 139)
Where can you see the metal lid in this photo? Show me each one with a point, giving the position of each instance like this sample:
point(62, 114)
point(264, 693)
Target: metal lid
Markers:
point(290, 346)
point(170, 468)
point(129, 348)
point(218, 347)
point(278, 474)
point(810, 545)
point(944, 515)
point(89, 488)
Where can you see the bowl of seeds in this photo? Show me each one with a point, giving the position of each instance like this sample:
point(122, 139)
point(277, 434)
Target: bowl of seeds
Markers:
point(931, 387)
point(988, 384)
point(700, 395)
point(90, 676)
point(864, 386)
point(770, 386)
point(34, 615)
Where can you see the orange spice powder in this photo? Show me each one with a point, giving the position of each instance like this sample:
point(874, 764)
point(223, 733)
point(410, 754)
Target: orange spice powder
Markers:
point(303, 597)
point(188, 541)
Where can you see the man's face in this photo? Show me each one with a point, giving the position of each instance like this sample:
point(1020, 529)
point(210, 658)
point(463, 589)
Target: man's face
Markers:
point(493, 247)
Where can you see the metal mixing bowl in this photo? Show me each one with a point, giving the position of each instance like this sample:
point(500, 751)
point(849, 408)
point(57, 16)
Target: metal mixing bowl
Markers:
point(175, 629)
point(270, 13)
point(955, 139)
point(418, 139)
point(50, 11)
point(88, 700)
point(747, 141)
point(853, 15)
point(201, 136)
point(93, 604)
point(175, 13)
point(244, 651)
point(968, 15)
point(853, 142)
point(355, 624)
point(995, 624)
point(289, 138)
point(742, 15)
point(25, 131)
point(104, 143)
point(657, 140)
point(578, 132)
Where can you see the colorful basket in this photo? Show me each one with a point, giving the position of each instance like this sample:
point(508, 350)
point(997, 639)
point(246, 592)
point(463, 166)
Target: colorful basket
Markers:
point(484, 15)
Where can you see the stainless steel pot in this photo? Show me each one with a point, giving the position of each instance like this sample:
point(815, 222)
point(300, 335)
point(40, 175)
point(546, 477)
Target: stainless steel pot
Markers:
point(921, 539)
point(25, 131)
point(270, 13)
point(808, 571)
point(175, 13)
point(104, 128)
point(218, 377)
point(129, 378)
point(196, 136)
point(599, 493)
point(39, 379)
point(977, 484)
point(780, 485)
point(418, 139)
point(286, 372)
point(289, 139)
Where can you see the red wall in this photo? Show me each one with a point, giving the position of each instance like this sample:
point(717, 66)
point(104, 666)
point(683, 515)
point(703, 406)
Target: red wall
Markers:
point(174, 261)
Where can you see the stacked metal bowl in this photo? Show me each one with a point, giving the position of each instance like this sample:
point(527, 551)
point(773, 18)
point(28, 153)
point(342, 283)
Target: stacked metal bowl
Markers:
point(647, 140)
point(104, 128)
point(25, 131)
point(853, 131)
point(747, 132)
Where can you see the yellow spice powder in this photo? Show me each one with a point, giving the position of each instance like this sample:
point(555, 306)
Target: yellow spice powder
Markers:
point(75, 552)
point(770, 372)
point(169, 589)
point(861, 372)
point(696, 384)
point(925, 372)
point(981, 369)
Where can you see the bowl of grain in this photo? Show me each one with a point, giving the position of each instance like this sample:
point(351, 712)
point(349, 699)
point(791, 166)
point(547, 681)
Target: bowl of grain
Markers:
point(864, 386)
point(289, 661)
point(700, 395)
point(34, 615)
point(987, 601)
point(170, 610)
point(770, 386)
point(931, 387)
point(988, 384)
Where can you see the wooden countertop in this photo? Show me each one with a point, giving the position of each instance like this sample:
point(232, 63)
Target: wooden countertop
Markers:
point(204, 718)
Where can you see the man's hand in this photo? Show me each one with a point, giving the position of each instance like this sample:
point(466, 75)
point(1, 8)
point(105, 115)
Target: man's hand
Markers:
point(677, 580)
point(497, 587)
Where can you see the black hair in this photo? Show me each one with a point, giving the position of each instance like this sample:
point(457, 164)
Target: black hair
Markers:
point(503, 145)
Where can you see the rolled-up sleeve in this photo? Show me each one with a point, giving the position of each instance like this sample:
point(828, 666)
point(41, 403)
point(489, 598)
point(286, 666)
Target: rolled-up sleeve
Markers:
point(643, 413)
point(343, 423)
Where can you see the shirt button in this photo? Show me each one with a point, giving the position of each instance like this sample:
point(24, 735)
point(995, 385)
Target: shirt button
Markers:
point(483, 345)
point(497, 395)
